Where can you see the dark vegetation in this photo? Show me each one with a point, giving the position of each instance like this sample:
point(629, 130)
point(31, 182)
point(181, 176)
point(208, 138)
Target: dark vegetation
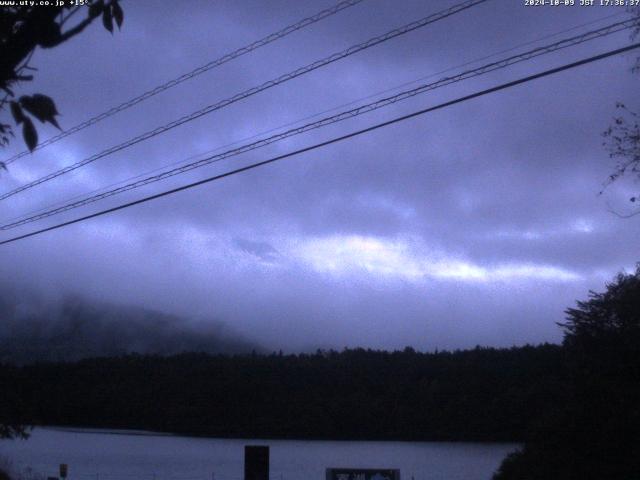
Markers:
point(594, 431)
point(23, 28)
point(576, 406)
point(480, 394)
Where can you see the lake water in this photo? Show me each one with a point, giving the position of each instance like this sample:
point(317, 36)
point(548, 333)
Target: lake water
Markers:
point(105, 455)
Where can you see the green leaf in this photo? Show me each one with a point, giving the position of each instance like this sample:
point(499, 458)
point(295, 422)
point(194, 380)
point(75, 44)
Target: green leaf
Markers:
point(42, 107)
point(29, 134)
point(107, 20)
point(16, 111)
point(118, 14)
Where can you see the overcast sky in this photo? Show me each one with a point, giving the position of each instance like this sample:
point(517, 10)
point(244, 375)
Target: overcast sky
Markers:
point(475, 224)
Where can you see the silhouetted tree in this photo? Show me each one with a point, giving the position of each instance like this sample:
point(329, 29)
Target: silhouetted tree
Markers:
point(594, 432)
point(22, 30)
point(608, 318)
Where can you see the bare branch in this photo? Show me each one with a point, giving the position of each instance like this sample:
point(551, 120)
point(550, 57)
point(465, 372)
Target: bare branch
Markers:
point(610, 209)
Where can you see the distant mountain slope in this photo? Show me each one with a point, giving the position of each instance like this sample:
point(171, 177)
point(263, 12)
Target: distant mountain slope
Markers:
point(32, 330)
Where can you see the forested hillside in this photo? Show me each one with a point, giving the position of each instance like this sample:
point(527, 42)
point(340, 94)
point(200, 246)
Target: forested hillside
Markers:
point(74, 328)
point(479, 394)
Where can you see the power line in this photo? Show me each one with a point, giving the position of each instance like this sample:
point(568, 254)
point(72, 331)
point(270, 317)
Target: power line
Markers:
point(384, 102)
point(305, 22)
point(252, 91)
point(333, 119)
point(465, 98)
point(308, 117)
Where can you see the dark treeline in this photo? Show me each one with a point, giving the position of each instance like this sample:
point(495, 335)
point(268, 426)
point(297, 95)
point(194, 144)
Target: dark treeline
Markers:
point(479, 394)
point(593, 432)
point(575, 406)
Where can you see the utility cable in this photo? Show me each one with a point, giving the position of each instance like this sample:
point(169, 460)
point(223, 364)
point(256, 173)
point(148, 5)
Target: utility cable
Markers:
point(356, 133)
point(252, 91)
point(305, 22)
point(308, 117)
point(384, 102)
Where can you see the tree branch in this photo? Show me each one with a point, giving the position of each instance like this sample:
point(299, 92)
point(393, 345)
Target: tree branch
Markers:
point(72, 32)
point(610, 209)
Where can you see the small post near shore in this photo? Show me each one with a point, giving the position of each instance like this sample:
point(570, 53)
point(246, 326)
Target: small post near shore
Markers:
point(256, 462)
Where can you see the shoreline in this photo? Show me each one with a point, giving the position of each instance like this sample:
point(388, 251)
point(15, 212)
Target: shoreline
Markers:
point(149, 433)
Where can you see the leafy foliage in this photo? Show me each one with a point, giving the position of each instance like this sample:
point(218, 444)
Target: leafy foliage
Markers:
point(594, 432)
point(24, 28)
point(611, 316)
point(41, 107)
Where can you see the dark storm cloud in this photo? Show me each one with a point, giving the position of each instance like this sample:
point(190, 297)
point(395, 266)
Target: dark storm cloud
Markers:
point(475, 224)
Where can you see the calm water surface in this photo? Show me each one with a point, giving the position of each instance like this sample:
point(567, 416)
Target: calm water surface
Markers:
point(105, 455)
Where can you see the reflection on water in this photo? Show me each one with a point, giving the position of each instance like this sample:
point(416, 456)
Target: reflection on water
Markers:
point(118, 455)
